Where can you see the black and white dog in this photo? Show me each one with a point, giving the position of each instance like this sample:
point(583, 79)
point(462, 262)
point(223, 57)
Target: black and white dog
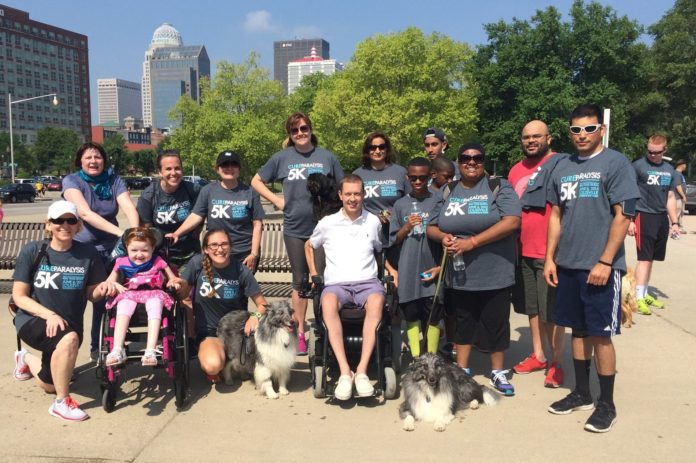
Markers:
point(435, 390)
point(324, 192)
point(268, 355)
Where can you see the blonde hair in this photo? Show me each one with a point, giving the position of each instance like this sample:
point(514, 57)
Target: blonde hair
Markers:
point(657, 139)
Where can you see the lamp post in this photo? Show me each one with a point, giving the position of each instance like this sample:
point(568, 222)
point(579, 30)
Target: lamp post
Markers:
point(9, 107)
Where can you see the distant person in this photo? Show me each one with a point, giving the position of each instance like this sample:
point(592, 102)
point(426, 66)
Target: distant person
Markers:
point(656, 217)
point(292, 166)
point(441, 173)
point(435, 144)
point(681, 191)
point(40, 189)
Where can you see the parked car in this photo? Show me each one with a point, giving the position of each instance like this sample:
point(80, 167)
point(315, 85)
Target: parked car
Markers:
point(195, 179)
point(690, 198)
point(30, 181)
point(133, 183)
point(54, 185)
point(15, 192)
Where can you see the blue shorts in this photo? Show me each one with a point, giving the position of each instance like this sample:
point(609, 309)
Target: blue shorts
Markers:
point(593, 310)
point(354, 293)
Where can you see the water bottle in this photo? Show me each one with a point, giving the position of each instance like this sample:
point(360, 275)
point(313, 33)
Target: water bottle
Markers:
point(458, 264)
point(415, 210)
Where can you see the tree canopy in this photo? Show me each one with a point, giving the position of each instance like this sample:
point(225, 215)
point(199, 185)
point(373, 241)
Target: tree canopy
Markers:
point(55, 149)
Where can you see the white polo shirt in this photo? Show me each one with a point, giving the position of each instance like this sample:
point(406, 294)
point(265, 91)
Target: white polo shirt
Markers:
point(349, 246)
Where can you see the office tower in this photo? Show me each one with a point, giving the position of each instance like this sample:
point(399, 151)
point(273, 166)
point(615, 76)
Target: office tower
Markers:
point(309, 65)
point(117, 100)
point(38, 59)
point(170, 70)
point(285, 51)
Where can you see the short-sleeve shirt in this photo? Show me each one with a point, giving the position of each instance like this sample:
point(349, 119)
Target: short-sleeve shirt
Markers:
point(681, 180)
point(231, 210)
point(106, 208)
point(232, 285)
point(383, 187)
point(468, 212)
point(418, 253)
point(586, 189)
point(655, 181)
point(60, 281)
point(293, 168)
point(167, 212)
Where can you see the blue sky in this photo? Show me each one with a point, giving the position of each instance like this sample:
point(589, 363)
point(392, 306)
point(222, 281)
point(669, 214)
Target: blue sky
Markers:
point(119, 32)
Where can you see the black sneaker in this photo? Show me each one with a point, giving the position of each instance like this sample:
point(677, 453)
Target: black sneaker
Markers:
point(570, 403)
point(94, 355)
point(602, 419)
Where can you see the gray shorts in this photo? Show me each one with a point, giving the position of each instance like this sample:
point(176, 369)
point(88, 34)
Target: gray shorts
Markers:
point(354, 293)
point(531, 295)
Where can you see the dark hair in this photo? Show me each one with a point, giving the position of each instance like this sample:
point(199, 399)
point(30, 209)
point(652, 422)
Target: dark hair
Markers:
point(351, 178)
point(87, 146)
point(167, 153)
point(140, 234)
point(391, 157)
point(207, 263)
point(419, 161)
point(472, 145)
point(587, 110)
point(441, 163)
point(293, 119)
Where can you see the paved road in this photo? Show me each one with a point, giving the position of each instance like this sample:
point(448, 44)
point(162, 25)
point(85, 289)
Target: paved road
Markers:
point(654, 396)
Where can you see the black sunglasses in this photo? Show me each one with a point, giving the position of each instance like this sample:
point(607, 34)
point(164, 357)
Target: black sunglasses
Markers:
point(381, 146)
point(422, 178)
point(592, 128)
point(302, 128)
point(60, 221)
point(466, 158)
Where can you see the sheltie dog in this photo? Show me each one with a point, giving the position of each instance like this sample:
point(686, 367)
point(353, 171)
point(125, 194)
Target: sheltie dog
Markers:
point(628, 298)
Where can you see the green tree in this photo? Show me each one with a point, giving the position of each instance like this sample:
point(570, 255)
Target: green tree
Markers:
point(24, 159)
point(544, 67)
point(119, 157)
point(400, 84)
point(144, 161)
point(55, 149)
point(303, 97)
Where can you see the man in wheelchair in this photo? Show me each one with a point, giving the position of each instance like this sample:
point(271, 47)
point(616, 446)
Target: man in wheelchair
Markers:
point(350, 239)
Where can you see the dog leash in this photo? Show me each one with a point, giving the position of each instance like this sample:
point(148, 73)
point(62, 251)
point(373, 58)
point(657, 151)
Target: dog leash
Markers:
point(443, 262)
point(246, 348)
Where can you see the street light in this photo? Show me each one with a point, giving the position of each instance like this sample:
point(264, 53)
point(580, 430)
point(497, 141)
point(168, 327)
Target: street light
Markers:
point(9, 107)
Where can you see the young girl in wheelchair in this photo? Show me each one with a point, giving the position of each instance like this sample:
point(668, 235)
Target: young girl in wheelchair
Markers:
point(144, 283)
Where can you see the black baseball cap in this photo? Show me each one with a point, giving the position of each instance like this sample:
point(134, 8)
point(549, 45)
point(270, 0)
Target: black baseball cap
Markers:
point(681, 161)
point(228, 157)
point(435, 132)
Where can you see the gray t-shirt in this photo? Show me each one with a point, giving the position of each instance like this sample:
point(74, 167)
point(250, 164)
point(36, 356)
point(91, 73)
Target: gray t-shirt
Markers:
point(418, 253)
point(107, 208)
point(383, 187)
point(168, 211)
point(654, 182)
point(232, 284)
point(60, 281)
point(468, 212)
point(293, 168)
point(586, 190)
point(232, 210)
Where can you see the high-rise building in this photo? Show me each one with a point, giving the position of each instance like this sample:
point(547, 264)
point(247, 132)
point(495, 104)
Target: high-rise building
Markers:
point(170, 70)
point(38, 59)
point(285, 51)
point(118, 99)
point(310, 65)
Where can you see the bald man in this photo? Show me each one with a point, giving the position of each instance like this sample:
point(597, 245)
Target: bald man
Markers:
point(531, 295)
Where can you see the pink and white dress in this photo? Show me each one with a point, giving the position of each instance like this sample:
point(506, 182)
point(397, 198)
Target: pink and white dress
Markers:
point(152, 278)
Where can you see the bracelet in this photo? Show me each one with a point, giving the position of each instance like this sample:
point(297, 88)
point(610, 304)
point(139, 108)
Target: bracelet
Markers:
point(255, 256)
point(605, 263)
point(258, 315)
point(675, 223)
point(473, 241)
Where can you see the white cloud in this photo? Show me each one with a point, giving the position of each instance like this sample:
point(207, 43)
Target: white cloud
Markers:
point(259, 21)
point(306, 32)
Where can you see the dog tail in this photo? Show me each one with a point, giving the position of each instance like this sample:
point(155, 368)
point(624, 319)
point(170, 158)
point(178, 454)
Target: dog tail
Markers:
point(490, 398)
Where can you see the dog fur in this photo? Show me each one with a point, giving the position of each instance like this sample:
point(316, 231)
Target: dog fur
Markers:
point(435, 390)
point(628, 298)
point(324, 192)
point(268, 355)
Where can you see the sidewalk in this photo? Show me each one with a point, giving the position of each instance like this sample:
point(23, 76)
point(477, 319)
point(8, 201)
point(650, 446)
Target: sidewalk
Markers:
point(654, 396)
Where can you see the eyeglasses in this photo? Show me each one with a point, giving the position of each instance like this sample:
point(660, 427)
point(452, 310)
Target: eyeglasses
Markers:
point(654, 153)
point(466, 158)
point(422, 178)
point(69, 221)
point(302, 128)
point(381, 147)
point(216, 246)
point(592, 128)
point(433, 144)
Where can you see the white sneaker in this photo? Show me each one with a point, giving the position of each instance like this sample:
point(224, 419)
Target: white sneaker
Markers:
point(67, 410)
point(363, 386)
point(21, 370)
point(344, 387)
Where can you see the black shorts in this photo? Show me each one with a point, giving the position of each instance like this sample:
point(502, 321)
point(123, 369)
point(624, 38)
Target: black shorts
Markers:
point(298, 260)
point(419, 309)
point(531, 295)
point(34, 334)
point(482, 317)
point(652, 231)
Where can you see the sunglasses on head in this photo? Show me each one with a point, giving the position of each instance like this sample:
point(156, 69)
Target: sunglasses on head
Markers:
point(422, 178)
point(381, 146)
point(61, 221)
point(467, 158)
point(592, 128)
point(302, 128)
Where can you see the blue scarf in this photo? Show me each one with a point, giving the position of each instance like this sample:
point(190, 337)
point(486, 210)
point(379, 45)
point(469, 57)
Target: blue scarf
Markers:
point(135, 268)
point(100, 183)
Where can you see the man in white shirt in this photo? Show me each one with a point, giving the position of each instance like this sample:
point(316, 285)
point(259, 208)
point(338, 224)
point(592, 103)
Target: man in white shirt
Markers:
point(350, 238)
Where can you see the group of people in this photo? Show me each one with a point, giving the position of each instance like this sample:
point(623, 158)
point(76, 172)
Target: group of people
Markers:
point(438, 221)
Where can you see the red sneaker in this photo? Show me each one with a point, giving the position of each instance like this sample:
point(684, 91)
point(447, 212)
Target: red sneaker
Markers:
point(554, 377)
point(529, 365)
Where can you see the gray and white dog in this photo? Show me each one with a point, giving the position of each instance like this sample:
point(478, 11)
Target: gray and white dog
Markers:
point(435, 390)
point(268, 355)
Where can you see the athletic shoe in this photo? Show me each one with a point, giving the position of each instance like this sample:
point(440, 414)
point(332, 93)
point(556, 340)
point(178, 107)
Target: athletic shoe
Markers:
point(467, 371)
point(68, 410)
point(529, 365)
point(363, 386)
point(652, 302)
point(501, 384)
point(554, 377)
point(94, 355)
point(642, 307)
point(344, 387)
point(602, 419)
point(571, 403)
point(301, 344)
point(21, 370)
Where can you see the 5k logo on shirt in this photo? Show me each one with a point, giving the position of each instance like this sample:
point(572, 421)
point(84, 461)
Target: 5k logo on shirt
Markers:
point(165, 217)
point(454, 208)
point(45, 280)
point(569, 191)
point(219, 211)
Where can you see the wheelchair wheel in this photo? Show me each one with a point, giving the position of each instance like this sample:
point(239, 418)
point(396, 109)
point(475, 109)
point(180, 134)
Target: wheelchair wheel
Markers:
point(179, 393)
point(108, 399)
point(318, 383)
point(181, 368)
point(390, 386)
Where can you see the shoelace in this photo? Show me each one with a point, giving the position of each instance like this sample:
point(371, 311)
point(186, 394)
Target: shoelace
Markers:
point(71, 403)
point(500, 377)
